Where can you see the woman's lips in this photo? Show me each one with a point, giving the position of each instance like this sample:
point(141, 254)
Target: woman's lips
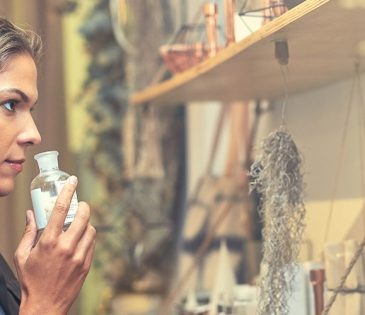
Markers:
point(16, 165)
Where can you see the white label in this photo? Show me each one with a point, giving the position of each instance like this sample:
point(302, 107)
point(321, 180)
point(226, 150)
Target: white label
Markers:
point(43, 204)
point(40, 214)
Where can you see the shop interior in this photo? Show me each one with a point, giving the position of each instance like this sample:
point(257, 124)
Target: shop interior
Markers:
point(220, 145)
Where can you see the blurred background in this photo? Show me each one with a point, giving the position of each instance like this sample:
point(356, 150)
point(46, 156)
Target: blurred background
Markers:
point(140, 167)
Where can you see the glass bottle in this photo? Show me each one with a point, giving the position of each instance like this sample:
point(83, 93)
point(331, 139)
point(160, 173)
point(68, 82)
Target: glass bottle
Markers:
point(45, 188)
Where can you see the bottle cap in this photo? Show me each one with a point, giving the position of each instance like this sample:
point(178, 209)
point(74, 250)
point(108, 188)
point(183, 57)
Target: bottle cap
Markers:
point(47, 161)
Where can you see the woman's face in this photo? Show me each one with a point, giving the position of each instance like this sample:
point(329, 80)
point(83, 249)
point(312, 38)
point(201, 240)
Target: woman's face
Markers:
point(18, 95)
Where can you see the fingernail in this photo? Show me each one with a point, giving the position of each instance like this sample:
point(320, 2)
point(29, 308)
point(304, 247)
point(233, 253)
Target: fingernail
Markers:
point(72, 180)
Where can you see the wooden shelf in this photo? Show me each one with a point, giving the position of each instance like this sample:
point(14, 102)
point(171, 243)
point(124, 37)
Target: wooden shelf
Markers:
point(324, 40)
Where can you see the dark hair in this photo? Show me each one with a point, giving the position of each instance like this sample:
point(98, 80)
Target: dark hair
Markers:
point(14, 40)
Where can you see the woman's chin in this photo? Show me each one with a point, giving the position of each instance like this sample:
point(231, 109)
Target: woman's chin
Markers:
point(6, 187)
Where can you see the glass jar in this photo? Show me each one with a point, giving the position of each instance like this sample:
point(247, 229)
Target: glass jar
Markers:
point(45, 188)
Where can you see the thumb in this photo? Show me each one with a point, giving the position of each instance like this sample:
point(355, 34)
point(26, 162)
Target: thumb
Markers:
point(28, 239)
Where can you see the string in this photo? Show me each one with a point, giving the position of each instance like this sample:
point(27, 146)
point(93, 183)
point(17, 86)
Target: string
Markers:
point(358, 253)
point(361, 124)
point(362, 128)
point(243, 6)
point(341, 156)
point(339, 289)
point(246, 24)
point(286, 94)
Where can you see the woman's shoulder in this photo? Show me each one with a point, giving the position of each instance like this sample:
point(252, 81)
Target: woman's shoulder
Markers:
point(9, 289)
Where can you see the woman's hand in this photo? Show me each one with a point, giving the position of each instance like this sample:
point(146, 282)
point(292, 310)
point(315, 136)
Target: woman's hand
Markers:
point(52, 271)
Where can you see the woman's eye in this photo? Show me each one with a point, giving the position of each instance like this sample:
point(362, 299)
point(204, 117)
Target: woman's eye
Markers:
point(9, 106)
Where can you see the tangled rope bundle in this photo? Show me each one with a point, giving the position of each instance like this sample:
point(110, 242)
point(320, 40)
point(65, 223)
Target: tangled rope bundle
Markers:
point(277, 177)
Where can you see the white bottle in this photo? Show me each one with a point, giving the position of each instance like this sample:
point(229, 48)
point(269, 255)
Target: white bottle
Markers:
point(46, 187)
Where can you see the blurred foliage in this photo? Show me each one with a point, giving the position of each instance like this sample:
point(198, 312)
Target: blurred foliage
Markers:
point(138, 217)
point(105, 81)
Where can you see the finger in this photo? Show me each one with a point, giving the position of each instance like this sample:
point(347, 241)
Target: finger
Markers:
point(61, 207)
point(78, 225)
point(86, 243)
point(86, 264)
point(90, 255)
point(28, 239)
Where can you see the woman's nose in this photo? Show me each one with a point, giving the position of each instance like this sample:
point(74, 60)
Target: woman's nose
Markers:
point(30, 134)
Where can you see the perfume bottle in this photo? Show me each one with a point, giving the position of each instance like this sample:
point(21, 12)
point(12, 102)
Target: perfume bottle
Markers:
point(45, 188)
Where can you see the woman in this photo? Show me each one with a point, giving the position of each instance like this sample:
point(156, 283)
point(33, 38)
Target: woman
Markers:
point(52, 270)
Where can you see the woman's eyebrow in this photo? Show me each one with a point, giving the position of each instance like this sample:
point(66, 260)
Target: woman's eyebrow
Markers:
point(23, 96)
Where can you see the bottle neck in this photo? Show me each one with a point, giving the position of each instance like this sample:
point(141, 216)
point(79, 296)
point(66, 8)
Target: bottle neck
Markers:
point(48, 169)
point(47, 161)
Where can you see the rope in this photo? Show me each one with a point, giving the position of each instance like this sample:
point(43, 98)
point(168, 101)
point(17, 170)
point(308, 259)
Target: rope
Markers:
point(341, 286)
point(361, 137)
point(340, 160)
point(286, 95)
point(359, 289)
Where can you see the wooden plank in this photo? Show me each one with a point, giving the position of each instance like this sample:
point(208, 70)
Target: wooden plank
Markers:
point(323, 39)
